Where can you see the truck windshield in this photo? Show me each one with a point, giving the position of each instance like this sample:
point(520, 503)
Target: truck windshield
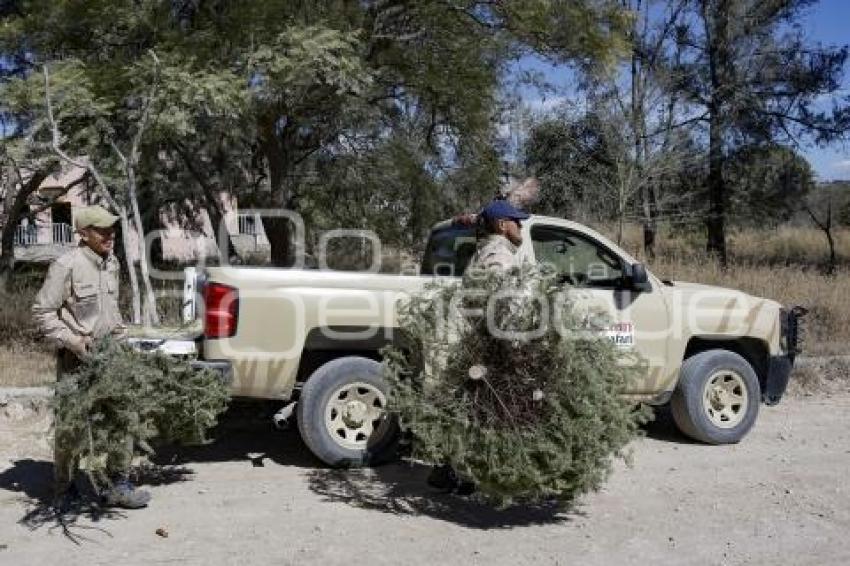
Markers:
point(449, 250)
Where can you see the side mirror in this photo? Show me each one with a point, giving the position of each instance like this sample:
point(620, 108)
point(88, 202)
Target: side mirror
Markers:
point(638, 278)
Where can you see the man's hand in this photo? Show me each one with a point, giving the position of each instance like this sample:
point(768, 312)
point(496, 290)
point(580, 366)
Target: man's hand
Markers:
point(465, 219)
point(80, 345)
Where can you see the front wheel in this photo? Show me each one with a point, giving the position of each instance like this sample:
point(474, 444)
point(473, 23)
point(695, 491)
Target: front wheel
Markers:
point(717, 398)
point(342, 413)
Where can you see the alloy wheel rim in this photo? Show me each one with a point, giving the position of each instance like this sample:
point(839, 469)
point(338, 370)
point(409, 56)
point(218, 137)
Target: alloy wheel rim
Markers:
point(725, 398)
point(355, 415)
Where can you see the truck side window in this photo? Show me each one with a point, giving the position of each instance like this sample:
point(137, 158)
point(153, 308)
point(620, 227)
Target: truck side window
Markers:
point(449, 251)
point(582, 261)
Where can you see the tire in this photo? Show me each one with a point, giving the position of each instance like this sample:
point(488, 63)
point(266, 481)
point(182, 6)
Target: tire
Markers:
point(342, 414)
point(717, 398)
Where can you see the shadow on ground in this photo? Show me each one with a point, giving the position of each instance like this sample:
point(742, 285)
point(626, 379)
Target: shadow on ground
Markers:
point(401, 489)
point(663, 428)
point(33, 480)
point(245, 433)
point(237, 439)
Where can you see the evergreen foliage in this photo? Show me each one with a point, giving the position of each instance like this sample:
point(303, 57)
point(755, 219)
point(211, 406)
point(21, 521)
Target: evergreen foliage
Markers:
point(119, 393)
point(529, 418)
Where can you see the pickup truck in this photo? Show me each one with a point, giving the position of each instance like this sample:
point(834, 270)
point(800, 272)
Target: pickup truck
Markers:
point(311, 338)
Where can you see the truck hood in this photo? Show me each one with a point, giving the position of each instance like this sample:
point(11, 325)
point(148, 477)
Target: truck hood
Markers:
point(706, 310)
point(690, 288)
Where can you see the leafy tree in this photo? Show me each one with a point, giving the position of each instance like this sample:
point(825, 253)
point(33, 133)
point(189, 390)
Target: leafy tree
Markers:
point(588, 168)
point(565, 153)
point(640, 110)
point(767, 184)
point(258, 97)
point(748, 73)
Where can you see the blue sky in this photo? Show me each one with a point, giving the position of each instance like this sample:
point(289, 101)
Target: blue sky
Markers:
point(827, 22)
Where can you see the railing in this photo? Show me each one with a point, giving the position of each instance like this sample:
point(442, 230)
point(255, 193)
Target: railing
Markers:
point(26, 235)
point(249, 224)
point(60, 233)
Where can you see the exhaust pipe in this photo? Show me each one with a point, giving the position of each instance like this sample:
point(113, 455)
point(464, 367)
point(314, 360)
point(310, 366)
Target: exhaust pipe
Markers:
point(281, 418)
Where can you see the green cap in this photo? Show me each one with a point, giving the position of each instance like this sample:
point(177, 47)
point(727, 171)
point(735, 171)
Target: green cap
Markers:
point(96, 216)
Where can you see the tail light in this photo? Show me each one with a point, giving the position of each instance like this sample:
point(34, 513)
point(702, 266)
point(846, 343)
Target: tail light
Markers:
point(221, 310)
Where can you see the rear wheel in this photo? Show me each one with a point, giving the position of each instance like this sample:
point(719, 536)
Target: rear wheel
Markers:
point(342, 413)
point(717, 398)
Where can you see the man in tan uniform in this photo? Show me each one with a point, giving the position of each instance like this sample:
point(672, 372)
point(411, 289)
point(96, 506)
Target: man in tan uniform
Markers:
point(499, 248)
point(496, 251)
point(78, 304)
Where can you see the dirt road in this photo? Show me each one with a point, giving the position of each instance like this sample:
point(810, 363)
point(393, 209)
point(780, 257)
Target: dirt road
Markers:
point(257, 497)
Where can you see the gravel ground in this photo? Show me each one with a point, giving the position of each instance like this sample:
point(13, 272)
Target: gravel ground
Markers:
point(257, 497)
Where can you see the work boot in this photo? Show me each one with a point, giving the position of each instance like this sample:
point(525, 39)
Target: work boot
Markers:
point(445, 479)
point(66, 499)
point(124, 494)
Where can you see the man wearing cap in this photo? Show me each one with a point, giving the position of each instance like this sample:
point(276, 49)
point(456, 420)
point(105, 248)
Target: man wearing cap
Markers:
point(496, 251)
point(502, 222)
point(78, 304)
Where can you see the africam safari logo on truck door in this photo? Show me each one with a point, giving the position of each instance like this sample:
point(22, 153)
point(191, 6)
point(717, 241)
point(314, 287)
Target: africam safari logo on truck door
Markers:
point(622, 334)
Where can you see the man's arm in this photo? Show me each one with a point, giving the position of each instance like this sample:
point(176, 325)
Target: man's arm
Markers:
point(45, 310)
point(501, 260)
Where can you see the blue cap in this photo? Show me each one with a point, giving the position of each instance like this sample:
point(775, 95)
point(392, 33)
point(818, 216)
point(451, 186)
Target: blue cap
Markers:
point(502, 209)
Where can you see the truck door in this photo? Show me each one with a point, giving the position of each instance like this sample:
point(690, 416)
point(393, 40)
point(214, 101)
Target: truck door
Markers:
point(638, 320)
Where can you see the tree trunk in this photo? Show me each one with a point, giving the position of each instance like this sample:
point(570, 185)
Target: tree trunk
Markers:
point(136, 301)
point(211, 198)
point(826, 226)
point(278, 229)
point(15, 203)
point(715, 221)
point(830, 267)
point(638, 76)
point(150, 315)
point(716, 20)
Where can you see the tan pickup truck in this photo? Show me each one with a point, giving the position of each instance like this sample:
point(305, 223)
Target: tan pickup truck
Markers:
point(311, 338)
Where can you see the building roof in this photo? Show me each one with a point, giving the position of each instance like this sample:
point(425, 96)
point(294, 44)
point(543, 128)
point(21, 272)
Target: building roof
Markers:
point(63, 179)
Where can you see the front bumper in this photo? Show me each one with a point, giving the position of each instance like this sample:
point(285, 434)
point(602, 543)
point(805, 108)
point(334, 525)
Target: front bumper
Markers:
point(779, 367)
point(778, 374)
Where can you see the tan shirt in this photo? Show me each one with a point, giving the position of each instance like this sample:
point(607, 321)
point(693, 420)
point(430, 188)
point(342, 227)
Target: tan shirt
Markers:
point(495, 251)
point(79, 297)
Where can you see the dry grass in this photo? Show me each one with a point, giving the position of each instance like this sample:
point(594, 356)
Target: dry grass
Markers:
point(786, 245)
point(25, 366)
point(24, 360)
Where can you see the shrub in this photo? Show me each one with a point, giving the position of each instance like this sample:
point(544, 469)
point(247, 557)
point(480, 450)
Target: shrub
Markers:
point(527, 420)
point(119, 393)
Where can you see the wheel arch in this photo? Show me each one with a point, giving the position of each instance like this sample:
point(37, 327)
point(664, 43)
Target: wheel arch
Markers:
point(754, 350)
point(324, 344)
